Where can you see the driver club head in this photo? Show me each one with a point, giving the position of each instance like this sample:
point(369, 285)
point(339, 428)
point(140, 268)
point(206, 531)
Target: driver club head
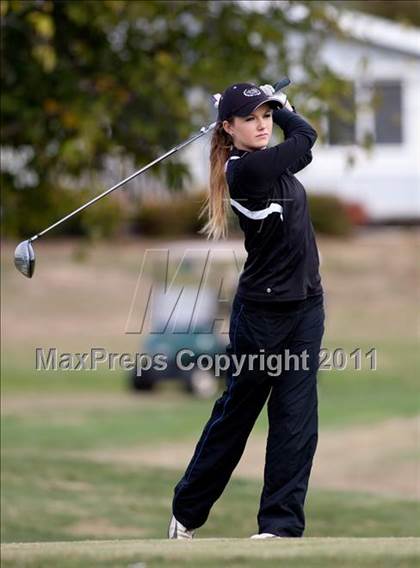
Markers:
point(25, 258)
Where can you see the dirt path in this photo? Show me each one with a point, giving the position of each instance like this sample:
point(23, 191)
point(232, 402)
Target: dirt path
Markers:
point(360, 275)
point(381, 459)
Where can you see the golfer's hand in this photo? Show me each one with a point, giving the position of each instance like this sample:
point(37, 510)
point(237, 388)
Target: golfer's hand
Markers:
point(288, 106)
point(281, 97)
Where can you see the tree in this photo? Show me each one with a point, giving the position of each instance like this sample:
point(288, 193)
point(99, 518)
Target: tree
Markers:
point(86, 80)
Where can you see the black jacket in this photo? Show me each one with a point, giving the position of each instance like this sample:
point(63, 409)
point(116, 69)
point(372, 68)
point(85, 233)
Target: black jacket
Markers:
point(282, 262)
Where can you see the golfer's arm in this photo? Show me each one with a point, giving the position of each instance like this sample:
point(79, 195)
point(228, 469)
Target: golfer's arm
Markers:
point(301, 162)
point(264, 166)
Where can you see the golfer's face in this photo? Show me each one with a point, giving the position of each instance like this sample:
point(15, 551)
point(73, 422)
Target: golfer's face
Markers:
point(253, 132)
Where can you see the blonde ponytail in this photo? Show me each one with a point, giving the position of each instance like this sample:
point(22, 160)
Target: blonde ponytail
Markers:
point(217, 202)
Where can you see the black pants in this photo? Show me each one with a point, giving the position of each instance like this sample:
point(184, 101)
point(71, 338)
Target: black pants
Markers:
point(296, 328)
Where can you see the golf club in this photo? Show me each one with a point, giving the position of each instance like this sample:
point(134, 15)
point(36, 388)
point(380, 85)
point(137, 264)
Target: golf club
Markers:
point(24, 252)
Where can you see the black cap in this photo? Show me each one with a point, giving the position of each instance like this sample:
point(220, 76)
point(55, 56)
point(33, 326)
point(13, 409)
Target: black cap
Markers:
point(242, 99)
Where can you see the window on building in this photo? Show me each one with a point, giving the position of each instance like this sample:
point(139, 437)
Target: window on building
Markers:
point(387, 106)
point(342, 118)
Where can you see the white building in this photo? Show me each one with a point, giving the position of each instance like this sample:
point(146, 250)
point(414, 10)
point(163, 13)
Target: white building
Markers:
point(379, 58)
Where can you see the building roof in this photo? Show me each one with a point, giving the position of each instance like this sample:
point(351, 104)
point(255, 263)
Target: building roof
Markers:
point(357, 25)
point(380, 32)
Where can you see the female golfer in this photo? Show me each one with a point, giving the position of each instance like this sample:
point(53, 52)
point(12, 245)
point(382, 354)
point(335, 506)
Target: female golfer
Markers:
point(277, 312)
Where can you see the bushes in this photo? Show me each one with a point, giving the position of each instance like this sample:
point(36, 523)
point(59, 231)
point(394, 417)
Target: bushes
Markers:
point(169, 218)
point(179, 216)
point(28, 211)
point(104, 219)
point(329, 215)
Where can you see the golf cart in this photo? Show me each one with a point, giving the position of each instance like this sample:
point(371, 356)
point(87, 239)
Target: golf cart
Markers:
point(181, 319)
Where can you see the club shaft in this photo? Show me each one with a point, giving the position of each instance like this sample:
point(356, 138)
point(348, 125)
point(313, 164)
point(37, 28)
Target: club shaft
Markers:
point(203, 130)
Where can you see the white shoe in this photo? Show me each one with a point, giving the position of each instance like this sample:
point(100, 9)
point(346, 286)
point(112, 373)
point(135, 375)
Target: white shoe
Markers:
point(265, 535)
point(177, 530)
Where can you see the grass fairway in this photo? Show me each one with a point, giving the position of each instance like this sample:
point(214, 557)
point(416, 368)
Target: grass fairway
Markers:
point(235, 553)
point(84, 461)
point(56, 498)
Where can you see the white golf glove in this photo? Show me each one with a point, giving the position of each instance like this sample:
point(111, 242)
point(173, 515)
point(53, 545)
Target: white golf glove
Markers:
point(269, 91)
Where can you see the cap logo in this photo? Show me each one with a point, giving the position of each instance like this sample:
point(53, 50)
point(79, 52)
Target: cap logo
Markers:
point(253, 92)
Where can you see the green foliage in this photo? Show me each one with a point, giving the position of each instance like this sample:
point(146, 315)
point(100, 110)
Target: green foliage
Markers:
point(32, 209)
point(83, 80)
point(29, 210)
point(329, 215)
point(104, 219)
